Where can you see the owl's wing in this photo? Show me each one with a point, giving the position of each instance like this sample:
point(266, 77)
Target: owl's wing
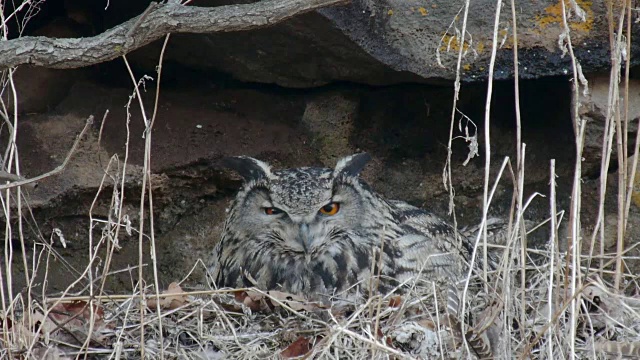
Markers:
point(215, 266)
point(429, 243)
point(442, 233)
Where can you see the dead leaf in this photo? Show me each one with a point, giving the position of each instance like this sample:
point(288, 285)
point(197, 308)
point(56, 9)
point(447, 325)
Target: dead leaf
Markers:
point(428, 323)
point(267, 302)
point(170, 302)
point(342, 310)
point(387, 340)
point(70, 322)
point(76, 314)
point(296, 303)
point(298, 348)
point(250, 301)
point(230, 306)
point(395, 301)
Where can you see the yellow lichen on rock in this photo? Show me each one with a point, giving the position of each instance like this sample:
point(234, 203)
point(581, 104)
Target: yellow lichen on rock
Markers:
point(553, 15)
point(450, 42)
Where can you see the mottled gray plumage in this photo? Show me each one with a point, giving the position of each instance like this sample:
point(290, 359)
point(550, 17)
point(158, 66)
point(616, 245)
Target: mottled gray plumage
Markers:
point(302, 250)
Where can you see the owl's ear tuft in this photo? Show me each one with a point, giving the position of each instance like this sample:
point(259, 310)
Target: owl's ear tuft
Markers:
point(351, 165)
point(248, 167)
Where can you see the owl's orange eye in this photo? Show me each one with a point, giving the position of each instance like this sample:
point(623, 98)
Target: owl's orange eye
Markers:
point(330, 209)
point(272, 211)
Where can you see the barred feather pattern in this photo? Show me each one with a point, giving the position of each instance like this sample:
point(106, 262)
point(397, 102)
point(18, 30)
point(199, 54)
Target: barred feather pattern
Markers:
point(302, 251)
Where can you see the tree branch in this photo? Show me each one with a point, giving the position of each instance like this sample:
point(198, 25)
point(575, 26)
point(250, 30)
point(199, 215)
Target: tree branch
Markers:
point(157, 21)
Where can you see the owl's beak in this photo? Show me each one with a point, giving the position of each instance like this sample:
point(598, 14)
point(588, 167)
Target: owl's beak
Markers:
point(304, 237)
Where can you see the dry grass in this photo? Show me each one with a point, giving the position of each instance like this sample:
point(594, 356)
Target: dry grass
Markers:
point(543, 303)
point(410, 322)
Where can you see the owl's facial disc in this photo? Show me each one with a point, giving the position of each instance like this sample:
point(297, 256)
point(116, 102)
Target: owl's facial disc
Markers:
point(303, 233)
point(305, 211)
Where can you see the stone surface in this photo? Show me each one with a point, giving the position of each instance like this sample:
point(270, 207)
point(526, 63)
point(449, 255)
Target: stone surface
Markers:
point(39, 90)
point(306, 51)
point(421, 37)
point(378, 42)
point(330, 118)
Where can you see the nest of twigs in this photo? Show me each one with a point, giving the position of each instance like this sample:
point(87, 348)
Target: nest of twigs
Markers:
point(492, 319)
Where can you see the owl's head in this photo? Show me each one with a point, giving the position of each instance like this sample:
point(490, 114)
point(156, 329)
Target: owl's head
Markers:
point(302, 211)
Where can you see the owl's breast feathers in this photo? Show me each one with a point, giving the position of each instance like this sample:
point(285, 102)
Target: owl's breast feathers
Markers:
point(336, 268)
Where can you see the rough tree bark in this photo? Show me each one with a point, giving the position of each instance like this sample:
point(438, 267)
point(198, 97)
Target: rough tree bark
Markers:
point(157, 21)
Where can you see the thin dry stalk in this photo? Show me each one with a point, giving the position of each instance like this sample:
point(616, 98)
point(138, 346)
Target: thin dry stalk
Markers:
point(141, 211)
point(447, 177)
point(487, 132)
point(574, 214)
point(622, 168)
point(523, 237)
point(147, 173)
point(552, 249)
point(519, 190)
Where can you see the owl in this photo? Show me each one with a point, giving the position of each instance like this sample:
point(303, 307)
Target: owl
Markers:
point(318, 231)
